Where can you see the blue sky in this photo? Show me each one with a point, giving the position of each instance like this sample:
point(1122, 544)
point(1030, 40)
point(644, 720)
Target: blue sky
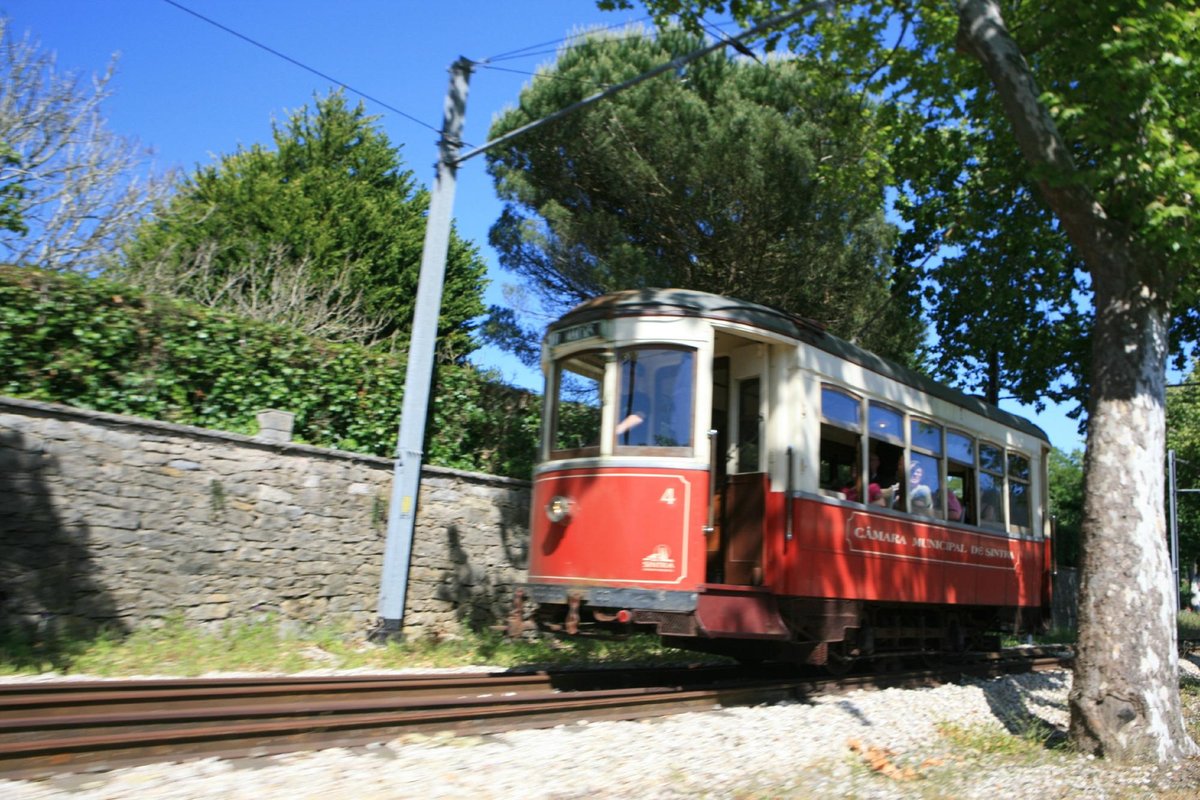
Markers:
point(191, 91)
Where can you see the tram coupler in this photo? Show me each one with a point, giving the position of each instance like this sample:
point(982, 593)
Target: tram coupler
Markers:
point(516, 625)
point(516, 618)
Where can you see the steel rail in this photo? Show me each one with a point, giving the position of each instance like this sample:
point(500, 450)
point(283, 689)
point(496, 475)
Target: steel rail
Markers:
point(52, 727)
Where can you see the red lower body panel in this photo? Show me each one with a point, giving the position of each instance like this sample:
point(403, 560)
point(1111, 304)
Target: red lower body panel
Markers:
point(627, 527)
point(839, 551)
point(644, 529)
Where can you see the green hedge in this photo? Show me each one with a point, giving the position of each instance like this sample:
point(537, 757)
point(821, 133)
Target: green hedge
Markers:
point(97, 344)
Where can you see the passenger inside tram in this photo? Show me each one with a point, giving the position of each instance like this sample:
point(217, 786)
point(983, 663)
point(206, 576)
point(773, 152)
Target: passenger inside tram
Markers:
point(853, 488)
point(885, 461)
point(954, 507)
point(635, 412)
point(654, 403)
point(920, 495)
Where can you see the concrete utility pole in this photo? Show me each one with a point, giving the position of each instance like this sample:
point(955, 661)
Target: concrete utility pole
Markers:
point(407, 478)
point(1174, 524)
point(1173, 514)
point(411, 438)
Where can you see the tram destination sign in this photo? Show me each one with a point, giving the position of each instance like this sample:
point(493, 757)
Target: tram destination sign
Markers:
point(577, 333)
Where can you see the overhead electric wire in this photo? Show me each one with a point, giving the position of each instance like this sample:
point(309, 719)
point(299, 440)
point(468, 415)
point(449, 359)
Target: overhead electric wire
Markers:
point(302, 65)
point(523, 55)
point(521, 52)
point(571, 40)
point(546, 75)
point(716, 32)
point(556, 50)
point(529, 52)
point(524, 52)
point(674, 64)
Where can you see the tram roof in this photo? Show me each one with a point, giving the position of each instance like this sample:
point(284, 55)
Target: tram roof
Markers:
point(692, 303)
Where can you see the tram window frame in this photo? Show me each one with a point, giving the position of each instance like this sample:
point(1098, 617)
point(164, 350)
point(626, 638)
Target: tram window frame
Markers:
point(996, 472)
point(960, 469)
point(840, 446)
point(595, 361)
point(1016, 482)
point(890, 448)
point(624, 403)
point(926, 453)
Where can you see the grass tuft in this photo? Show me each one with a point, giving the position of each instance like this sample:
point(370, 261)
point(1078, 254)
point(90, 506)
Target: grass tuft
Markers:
point(1030, 738)
point(1189, 625)
point(177, 648)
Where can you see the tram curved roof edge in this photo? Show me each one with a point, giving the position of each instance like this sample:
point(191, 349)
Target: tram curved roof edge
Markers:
point(693, 303)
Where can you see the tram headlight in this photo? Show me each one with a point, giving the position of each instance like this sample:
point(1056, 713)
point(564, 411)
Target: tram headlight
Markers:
point(558, 509)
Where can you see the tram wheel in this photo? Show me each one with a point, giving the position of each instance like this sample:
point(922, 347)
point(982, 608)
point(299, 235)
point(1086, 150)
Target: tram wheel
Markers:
point(933, 659)
point(839, 660)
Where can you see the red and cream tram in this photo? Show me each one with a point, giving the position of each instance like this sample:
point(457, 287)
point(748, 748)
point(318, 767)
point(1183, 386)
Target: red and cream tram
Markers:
point(746, 483)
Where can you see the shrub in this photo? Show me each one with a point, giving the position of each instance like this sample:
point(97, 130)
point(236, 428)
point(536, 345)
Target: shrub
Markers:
point(94, 343)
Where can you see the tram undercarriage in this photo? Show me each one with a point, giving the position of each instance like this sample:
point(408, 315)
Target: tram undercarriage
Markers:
point(752, 625)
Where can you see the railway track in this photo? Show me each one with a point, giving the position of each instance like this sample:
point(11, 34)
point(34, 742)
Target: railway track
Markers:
point(72, 726)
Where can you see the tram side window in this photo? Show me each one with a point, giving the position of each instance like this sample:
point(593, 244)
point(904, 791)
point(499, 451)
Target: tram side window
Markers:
point(841, 438)
point(1018, 492)
point(748, 424)
point(576, 413)
point(960, 478)
point(925, 469)
point(885, 432)
point(991, 486)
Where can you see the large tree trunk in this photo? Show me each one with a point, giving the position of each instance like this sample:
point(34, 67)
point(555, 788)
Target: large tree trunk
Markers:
point(1124, 700)
point(1125, 697)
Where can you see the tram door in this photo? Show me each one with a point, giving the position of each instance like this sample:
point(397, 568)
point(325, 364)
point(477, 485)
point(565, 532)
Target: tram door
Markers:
point(742, 490)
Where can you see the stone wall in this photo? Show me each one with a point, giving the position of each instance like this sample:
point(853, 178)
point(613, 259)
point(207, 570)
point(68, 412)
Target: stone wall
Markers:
point(119, 521)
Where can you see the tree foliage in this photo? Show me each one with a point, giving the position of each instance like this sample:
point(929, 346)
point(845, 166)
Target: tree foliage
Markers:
point(1066, 504)
point(328, 225)
point(1060, 144)
point(70, 189)
point(763, 181)
point(1010, 295)
point(1112, 89)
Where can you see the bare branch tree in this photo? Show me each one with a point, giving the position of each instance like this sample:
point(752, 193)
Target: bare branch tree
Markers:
point(74, 185)
point(267, 286)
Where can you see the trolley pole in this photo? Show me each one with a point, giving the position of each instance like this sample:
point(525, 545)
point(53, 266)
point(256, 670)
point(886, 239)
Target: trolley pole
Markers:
point(406, 480)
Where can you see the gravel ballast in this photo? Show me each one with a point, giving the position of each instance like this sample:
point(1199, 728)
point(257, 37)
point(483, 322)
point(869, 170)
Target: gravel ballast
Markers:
point(974, 740)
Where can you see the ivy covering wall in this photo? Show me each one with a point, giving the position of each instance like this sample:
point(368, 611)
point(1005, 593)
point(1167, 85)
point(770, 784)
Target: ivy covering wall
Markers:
point(93, 343)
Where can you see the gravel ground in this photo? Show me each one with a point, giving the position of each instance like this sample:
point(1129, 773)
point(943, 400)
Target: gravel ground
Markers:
point(887, 744)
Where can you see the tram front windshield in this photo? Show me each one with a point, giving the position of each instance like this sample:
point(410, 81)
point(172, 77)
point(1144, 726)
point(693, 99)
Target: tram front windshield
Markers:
point(654, 397)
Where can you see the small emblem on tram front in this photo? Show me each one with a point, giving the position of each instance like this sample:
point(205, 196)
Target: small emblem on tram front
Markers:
point(659, 561)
